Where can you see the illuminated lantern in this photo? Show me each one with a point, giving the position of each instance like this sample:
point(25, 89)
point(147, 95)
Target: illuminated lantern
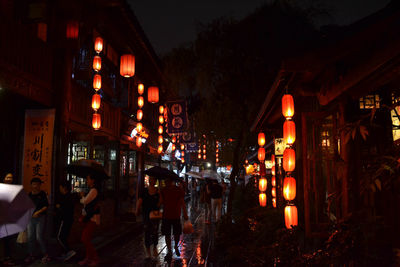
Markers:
point(139, 127)
point(262, 184)
point(204, 146)
point(246, 161)
point(152, 94)
point(97, 82)
point(160, 129)
point(204, 156)
point(262, 197)
point(273, 181)
point(199, 156)
point(139, 114)
point(72, 30)
point(273, 159)
point(96, 121)
point(273, 170)
point(216, 160)
point(173, 139)
point(261, 139)
point(289, 188)
point(127, 66)
point(140, 88)
point(289, 132)
point(217, 150)
point(96, 100)
point(97, 63)
point(183, 153)
point(140, 101)
point(98, 44)
point(274, 202)
point(160, 139)
point(161, 109)
point(173, 147)
point(216, 155)
point(183, 160)
point(289, 160)
point(138, 141)
point(183, 147)
point(287, 106)
point(273, 192)
point(204, 151)
point(161, 119)
point(290, 216)
point(261, 154)
point(160, 149)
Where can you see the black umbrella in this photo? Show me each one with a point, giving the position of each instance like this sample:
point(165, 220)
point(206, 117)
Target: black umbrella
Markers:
point(161, 173)
point(84, 167)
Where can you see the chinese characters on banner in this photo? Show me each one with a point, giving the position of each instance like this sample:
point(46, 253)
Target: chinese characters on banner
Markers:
point(177, 119)
point(279, 146)
point(38, 147)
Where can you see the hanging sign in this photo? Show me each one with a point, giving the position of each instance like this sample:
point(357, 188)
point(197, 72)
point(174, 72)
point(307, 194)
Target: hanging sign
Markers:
point(279, 146)
point(177, 118)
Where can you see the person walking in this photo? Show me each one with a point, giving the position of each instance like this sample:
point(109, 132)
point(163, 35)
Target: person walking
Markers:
point(90, 219)
point(7, 260)
point(215, 191)
point(149, 201)
point(36, 225)
point(205, 198)
point(65, 208)
point(173, 202)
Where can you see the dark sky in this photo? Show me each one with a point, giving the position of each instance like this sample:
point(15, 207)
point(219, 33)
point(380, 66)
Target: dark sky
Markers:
point(168, 23)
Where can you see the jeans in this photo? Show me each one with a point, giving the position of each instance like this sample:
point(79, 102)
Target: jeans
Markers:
point(35, 233)
point(216, 208)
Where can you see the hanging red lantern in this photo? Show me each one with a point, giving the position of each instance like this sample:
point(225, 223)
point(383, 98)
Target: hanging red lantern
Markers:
point(96, 101)
point(273, 192)
point(160, 129)
point(262, 198)
point(97, 63)
point(216, 155)
point(183, 147)
point(291, 216)
point(96, 121)
point(72, 30)
point(261, 154)
point(97, 82)
point(273, 170)
point(161, 119)
point(152, 94)
point(182, 153)
point(183, 160)
point(140, 101)
point(199, 156)
point(216, 160)
point(160, 139)
point(98, 44)
point(204, 151)
point(262, 184)
point(138, 141)
point(160, 149)
point(140, 88)
point(173, 139)
point(274, 202)
point(161, 109)
point(139, 127)
point(273, 159)
point(204, 157)
point(261, 139)
point(289, 132)
point(289, 160)
point(139, 115)
point(173, 147)
point(289, 188)
point(287, 106)
point(127, 65)
point(273, 181)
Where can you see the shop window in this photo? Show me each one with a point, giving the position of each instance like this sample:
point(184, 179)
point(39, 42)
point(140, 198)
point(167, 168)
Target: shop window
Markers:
point(370, 102)
point(395, 113)
point(77, 151)
point(132, 163)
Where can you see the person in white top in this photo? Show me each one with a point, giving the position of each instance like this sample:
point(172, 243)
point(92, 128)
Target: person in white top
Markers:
point(90, 218)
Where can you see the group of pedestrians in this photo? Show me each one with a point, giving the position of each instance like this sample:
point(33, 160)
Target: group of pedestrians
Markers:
point(211, 196)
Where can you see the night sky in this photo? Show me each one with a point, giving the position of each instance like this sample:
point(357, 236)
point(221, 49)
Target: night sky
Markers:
point(170, 23)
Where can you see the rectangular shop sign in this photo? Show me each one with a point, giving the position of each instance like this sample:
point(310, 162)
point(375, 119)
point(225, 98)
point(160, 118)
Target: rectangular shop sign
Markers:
point(38, 147)
point(279, 146)
point(177, 118)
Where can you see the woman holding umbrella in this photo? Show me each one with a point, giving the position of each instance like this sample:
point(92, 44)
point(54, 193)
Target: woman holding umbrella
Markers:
point(149, 201)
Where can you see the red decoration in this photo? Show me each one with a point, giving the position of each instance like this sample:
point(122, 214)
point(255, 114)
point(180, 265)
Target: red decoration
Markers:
point(274, 202)
point(287, 106)
point(289, 188)
point(139, 127)
point(140, 89)
point(161, 119)
point(261, 139)
point(152, 94)
point(273, 170)
point(96, 121)
point(160, 129)
point(97, 63)
point(289, 160)
point(291, 216)
point(273, 159)
point(273, 181)
point(97, 82)
point(161, 109)
point(261, 154)
point(139, 115)
point(138, 141)
point(262, 197)
point(160, 149)
point(273, 191)
point(140, 101)
point(98, 44)
point(72, 30)
point(160, 139)
point(127, 65)
point(96, 101)
point(262, 184)
point(289, 132)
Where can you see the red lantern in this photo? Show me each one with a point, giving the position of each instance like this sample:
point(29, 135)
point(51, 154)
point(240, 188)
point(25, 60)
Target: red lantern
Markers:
point(204, 156)
point(262, 184)
point(273, 159)
point(199, 156)
point(204, 151)
point(261, 154)
point(273, 170)
point(138, 141)
point(261, 139)
point(287, 106)
point(140, 88)
point(139, 127)
point(173, 139)
point(289, 132)
point(72, 30)
point(139, 115)
point(289, 160)
point(140, 101)
point(262, 197)
point(160, 139)
point(273, 192)
point(291, 216)
point(216, 160)
point(182, 153)
point(96, 101)
point(97, 63)
point(160, 149)
point(289, 188)
point(98, 44)
point(161, 109)
point(273, 181)
point(173, 147)
point(96, 121)
point(182, 160)
point(274, 202)
point(161, 119)
point(152, 94)
point(97, 82)
point(127, 65)
point(160, 129)
point(183, 147)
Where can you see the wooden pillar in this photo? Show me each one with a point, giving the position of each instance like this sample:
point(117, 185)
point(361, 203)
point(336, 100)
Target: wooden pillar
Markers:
point(305, 174)
point(344, 154)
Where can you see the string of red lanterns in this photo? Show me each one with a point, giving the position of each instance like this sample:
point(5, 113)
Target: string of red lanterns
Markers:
point(96, 98)
point(262, 182)
point(160, 130)
point(139, 113)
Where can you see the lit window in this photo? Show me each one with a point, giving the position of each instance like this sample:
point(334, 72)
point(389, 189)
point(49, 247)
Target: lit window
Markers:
point(325, 142)
point(370, 102)
point(395, 119)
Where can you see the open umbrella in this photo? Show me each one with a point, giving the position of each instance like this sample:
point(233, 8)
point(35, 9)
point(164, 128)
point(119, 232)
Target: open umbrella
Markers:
point(210, 174)
point(161, 173)
point(84, 167)
point(16, 209)
point(195, 175)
